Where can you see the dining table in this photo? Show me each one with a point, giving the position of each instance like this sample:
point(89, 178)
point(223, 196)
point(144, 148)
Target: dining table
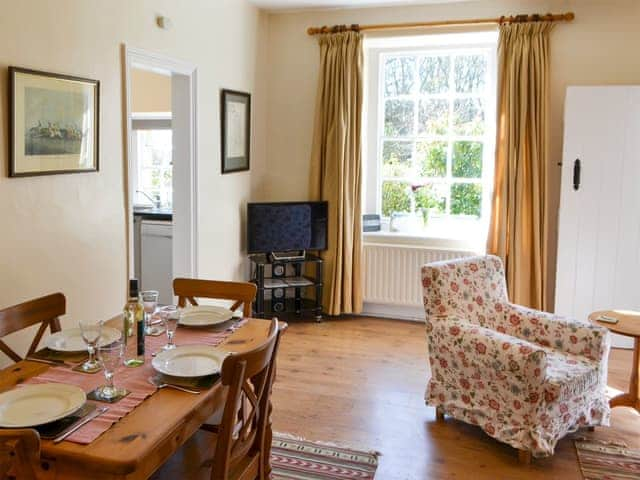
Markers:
point(137, 444)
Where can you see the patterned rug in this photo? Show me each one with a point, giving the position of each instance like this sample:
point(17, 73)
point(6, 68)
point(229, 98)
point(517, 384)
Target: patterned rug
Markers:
point(295, 459)
point(607, 461)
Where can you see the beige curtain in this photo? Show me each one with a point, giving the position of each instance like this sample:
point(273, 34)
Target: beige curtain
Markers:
point(518, 231)
point(336, 167)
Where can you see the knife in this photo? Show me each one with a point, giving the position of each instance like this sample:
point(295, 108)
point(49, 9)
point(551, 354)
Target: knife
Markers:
point(96, 413)
point(47, 361)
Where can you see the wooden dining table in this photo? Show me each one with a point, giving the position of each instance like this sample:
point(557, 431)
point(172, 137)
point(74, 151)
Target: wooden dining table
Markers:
point(140, 442)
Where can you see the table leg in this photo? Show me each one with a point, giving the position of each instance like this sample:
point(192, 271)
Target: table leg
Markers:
point(632, 398)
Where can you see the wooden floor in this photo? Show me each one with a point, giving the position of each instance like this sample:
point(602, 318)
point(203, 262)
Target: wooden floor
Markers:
point(360, 382)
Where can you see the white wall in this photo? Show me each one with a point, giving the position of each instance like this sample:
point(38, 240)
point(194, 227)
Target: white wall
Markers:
point(598, 47)
point(67, 232)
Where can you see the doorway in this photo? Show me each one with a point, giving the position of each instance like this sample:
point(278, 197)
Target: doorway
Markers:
point(160, 97)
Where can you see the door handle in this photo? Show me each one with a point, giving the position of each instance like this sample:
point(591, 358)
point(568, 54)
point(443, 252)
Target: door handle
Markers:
point(576, 174)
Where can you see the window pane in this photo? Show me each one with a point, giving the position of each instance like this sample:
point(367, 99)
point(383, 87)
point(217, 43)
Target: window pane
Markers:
point(433, 117)
point(469, 73)
point(395, 197)
point(467, 159)
point(398, 118)
point(432, 158)
point(399, 75)
point(434, 74)
point(396, 158)
point(468, 116)
point(466, 199)
point(432, 197)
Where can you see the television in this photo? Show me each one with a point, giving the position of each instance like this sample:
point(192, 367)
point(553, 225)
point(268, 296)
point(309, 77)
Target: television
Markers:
point(286, 226)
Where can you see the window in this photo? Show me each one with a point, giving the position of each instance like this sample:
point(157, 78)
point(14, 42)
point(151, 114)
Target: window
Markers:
point(431, 127)
point(154, 167)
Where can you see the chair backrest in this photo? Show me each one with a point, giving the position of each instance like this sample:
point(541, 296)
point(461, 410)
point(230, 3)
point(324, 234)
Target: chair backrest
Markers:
point(189, 289)
point(19, 453)
point(471, 288)
point(44, 310)
point(243, 438)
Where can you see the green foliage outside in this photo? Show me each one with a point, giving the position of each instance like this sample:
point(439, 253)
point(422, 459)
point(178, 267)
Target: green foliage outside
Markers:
point(395, 198)
point(396, 158)
point(467, 160)
point(466, 199)
point(427, 198)
point(432, 158)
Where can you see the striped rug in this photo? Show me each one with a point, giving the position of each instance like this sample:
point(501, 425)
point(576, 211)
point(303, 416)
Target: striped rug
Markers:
point(295, 459)
point(607, 461)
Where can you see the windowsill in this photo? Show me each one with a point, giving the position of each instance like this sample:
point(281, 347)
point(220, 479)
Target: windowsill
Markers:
point(420, 239)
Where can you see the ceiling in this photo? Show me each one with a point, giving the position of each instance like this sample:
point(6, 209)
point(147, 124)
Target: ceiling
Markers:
point(302, 4)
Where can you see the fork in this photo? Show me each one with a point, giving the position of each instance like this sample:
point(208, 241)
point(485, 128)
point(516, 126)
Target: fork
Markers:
point(159, 385)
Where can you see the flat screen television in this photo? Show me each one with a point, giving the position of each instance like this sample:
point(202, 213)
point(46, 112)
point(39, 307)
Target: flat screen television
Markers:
point(286, 226)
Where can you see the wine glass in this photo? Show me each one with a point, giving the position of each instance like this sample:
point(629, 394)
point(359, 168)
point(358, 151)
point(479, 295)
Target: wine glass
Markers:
point(91, 332)
point(170, 315)
point(150, 304)
point(110, 358)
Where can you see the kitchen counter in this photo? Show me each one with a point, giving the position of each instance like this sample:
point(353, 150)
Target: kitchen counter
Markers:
point(146, 213)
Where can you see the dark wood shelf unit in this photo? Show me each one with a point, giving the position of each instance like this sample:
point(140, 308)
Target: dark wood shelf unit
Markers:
point(298, 303)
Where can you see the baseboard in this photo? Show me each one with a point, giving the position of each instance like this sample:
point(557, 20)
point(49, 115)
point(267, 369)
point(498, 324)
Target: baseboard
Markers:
point(401, 312)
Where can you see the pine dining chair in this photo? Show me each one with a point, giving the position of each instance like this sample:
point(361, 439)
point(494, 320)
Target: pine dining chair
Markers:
point(44, 310)
point(19, 454)
point(241, 444)
point(190, 289)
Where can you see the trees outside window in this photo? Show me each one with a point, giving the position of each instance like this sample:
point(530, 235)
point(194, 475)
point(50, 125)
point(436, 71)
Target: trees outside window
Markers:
point(433, 138)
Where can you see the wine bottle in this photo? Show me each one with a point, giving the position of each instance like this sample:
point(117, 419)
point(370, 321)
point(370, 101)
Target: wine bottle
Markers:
point(133, 327)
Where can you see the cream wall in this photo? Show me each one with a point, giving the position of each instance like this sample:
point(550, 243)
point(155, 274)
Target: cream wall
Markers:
point(150, 91)
point(599, 47)
point(67, 232)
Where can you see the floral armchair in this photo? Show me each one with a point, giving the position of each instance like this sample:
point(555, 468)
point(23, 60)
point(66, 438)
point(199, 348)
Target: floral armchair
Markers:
point(526, 377)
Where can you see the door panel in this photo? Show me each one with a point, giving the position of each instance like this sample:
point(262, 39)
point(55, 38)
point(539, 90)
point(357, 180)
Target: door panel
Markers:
point(599, 223)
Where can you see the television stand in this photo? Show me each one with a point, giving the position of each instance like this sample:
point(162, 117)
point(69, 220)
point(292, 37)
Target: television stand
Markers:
point(282, 286)
point(296, 255)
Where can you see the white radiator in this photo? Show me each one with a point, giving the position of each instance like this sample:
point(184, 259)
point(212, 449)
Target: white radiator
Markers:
point(392, 285)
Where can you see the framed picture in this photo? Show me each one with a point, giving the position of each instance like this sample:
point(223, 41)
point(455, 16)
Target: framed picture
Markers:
point(54, 121)
point(235, 120)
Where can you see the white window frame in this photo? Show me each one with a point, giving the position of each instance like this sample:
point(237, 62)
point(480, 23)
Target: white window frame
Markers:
point(376, 49)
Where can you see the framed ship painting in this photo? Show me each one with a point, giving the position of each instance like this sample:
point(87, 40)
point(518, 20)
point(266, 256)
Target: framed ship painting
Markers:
point(54, 123)
point(235, 121)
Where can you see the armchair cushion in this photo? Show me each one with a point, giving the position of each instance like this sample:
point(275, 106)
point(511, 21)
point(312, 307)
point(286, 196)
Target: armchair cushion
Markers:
point(471, 357)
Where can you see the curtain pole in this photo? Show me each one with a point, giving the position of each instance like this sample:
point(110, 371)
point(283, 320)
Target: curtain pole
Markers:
point(549, 17)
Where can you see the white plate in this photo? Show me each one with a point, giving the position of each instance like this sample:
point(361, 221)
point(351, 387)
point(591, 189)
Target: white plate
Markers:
point(33, 405)
point(189, 361)
point(70, 340)
point(204, 316)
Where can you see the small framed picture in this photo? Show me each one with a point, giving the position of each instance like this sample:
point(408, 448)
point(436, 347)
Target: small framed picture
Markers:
point(54, 122)
point(235, 121)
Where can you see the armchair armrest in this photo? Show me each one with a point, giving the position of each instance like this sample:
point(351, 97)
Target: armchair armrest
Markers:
point(461, 348)
point(561, 333)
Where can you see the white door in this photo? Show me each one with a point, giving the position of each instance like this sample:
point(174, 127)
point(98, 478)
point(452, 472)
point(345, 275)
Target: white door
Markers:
point(599, 227)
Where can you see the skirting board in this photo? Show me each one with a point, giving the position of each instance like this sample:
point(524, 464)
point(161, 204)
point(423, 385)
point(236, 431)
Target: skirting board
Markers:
point(400, 312)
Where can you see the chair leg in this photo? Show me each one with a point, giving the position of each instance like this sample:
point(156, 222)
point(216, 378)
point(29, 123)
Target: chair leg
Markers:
point(524, 457)
point(439, 413)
